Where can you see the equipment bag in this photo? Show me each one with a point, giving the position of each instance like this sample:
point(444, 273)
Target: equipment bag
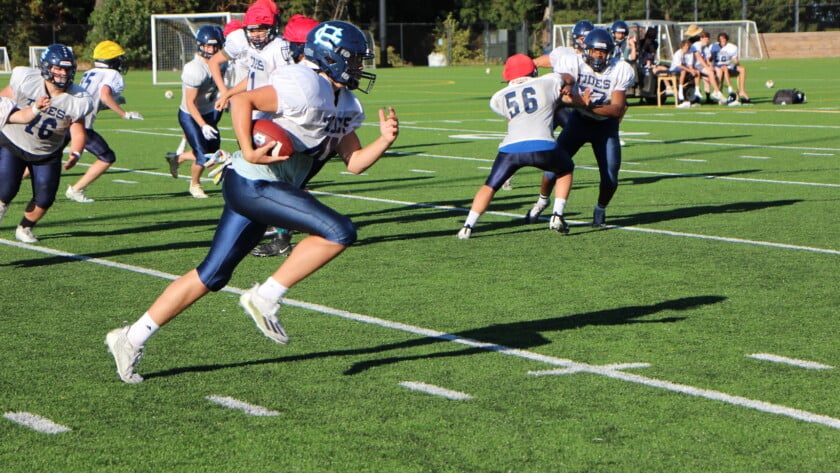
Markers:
point(788, 96)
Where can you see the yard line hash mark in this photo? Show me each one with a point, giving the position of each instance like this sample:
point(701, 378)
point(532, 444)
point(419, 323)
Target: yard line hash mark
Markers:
point(249, 409)
point(808, 365)
point(36, 422)
point(608, 371)
point(436, 390)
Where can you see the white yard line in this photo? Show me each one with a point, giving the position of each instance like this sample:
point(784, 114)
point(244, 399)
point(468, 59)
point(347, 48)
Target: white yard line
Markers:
point(808, 365)
point(436, 390)
point(36, 422)
point(249, 409)
point(609, 371)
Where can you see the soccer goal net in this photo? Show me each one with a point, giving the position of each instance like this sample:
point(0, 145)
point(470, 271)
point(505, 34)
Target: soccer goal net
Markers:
point(173, 42)
point(5, 64)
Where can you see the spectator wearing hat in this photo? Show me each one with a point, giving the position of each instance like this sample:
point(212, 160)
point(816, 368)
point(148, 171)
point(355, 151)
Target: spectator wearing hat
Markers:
point(528, 103)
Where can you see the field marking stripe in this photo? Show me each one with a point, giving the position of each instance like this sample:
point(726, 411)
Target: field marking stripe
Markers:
point(617, 227)
point(249, 409)
point(809, 365)
point(36, 422)
point(583, 367)
point(436, 390)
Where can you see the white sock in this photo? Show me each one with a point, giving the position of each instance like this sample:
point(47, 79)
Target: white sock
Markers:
point(142, 330)
point(471, 219)
point(543, 200)
point(559, 206)
point(181, 147)
point(272, 290)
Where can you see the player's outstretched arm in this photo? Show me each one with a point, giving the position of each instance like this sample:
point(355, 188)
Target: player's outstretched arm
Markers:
point(358, 158)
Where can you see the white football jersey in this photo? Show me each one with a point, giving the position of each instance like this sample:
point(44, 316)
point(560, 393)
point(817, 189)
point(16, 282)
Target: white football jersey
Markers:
point(7, 106)
point(725, 55)
point(528, 106)
point(196, 75)
point(48, 132)
point(557, 53)
point(616, 77)
point(262, 62)
point(705, 51)
point(236, 48)
point(93, 81)
point(314, 116)
point(681, 59)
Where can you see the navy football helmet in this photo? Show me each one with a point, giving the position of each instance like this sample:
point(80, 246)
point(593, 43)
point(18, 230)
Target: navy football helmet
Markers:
point(620, 26)
point(339, 49)
point(580, 30)
point(63, 57)
point(209, 35)
point(601, 40)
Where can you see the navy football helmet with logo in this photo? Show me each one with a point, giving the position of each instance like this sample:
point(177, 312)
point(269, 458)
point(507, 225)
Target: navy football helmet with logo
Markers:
point(601, 40)
point(580, 30)
point(63, 57)
point(212, 35)
point(339, 50)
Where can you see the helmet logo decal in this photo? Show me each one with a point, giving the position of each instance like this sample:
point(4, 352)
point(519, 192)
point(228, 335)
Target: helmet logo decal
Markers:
point(328, 36)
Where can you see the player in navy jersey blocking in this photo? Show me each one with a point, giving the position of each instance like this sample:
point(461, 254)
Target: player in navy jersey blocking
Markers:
point(599, 101)
point(313, 101)
point(528, 104)
point(38, 146)
point(104, 83)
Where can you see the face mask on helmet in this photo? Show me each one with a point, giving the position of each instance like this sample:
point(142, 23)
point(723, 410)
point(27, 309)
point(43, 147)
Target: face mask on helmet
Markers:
point(58, 65)
point(339, 49)
point(117, 64)
point(209, 40)
point(599, 47)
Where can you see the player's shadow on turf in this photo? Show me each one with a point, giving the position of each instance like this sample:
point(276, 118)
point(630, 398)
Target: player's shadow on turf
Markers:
point(496, 337)
point(701, 210)
point(707, 175)
point(528, 334)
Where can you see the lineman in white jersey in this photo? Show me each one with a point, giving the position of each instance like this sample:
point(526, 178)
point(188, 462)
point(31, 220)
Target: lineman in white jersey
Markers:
point(600, 81)
point(38, 145)
point(528, 104)
point(314, 102)
point(105, 84)
point(196, 115)
point(263, 51)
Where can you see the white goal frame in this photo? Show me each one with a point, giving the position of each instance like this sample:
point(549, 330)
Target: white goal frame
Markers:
point(5, 64)
point(173, 42)
point(35, 55)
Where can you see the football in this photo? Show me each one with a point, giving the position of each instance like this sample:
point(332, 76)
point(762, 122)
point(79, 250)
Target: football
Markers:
point(266, 131)
point(769, 84)
point(168, 94)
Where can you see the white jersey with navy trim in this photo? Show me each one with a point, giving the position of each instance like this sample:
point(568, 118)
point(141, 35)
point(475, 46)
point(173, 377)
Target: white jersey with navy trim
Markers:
point(616, 77)
point(262, 62)
point(196, 75)
point(726, 55)
point(314, 116)
point(528, 106)
point(7, 106)
point(680, 58)
point(93, 81)
point(48, 132)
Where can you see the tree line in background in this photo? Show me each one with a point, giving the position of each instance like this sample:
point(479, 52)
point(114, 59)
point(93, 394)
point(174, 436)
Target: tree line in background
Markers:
point(81, 26)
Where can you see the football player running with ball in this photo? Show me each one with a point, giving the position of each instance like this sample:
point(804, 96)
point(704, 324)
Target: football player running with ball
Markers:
point(313, 101)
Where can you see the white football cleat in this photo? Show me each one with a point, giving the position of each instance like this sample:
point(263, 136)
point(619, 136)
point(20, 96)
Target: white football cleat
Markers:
point(77, 196)
point(465, 233)
point(197, 192)
point(125, 354)
point(264, 313)
point(25, 235)
point(533, 215)
point(558, 224)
